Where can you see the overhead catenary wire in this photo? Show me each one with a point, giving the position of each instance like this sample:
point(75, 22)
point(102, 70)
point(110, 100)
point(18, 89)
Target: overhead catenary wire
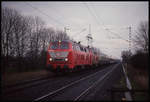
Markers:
point(83, 39)
point(40, 11)
point(105, 28)
point(60, 14)
point(77, 34)
point(116, 34)
point(51, 17)
point(93, 15)
point(44, 13)
point(98, 17)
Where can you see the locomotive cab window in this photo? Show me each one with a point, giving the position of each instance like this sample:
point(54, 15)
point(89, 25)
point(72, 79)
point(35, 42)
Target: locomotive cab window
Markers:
point(54, 46)
point(64, 46)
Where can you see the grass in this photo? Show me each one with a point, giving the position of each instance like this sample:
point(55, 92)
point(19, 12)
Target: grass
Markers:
point(9, 79)
point(121, 84)
point(139, 80)
point(134, 77)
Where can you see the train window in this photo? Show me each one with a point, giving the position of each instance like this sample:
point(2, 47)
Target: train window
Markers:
point(64, 46)
point(54, 46)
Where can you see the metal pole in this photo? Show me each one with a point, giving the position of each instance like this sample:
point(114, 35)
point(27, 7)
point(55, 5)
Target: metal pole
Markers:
point(130, 38)
point(65, 29)
point(89, 37)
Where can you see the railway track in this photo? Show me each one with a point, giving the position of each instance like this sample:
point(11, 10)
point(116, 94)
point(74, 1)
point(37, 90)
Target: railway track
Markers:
point(8, 89)
point(48, 88)
point(72, 84)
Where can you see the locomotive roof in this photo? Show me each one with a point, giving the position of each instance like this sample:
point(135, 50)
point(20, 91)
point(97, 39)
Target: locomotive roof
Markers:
point(71, 41)
point(93, 49)
point(63, 41)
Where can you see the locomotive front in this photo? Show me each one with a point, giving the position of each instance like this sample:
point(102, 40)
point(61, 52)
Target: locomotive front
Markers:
point(59, 56)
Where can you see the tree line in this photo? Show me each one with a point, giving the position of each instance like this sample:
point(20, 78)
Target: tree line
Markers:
point(24, 41)
point(140, 40)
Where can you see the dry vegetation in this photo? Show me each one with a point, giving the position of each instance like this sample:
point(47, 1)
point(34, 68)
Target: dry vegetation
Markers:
point(139, 80)
point(9, 79)
point(137, 63)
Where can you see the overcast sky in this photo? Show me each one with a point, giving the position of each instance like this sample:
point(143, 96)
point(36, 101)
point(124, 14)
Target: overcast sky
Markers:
point(115, 16)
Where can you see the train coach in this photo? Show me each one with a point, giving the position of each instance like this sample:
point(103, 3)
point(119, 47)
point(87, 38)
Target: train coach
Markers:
point(68, 56)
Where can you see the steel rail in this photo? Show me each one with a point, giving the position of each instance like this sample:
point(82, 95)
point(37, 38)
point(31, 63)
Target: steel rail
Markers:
point(66, 86)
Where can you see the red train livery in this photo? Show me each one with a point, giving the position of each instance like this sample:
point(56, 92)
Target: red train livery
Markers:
point(69, 55)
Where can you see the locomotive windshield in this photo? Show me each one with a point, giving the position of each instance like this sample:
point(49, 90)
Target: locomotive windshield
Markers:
point(54, 46)
point(64, 46)
point(60, 45)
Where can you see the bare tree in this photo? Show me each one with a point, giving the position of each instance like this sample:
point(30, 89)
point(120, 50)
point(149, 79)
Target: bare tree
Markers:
point(25, 39)
point(142, 36)
point(9, 19)
point(46, 36)
point(35, 33)
point(60, 35)
point(39, 26)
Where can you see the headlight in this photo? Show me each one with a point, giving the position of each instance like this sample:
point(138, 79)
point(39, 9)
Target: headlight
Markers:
point(66, 59)
point(50, 59)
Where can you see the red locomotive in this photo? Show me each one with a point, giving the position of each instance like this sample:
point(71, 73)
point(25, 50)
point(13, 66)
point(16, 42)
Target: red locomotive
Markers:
point(69, 55)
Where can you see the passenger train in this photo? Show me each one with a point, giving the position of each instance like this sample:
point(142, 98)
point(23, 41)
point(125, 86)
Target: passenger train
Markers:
point(66, 56)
